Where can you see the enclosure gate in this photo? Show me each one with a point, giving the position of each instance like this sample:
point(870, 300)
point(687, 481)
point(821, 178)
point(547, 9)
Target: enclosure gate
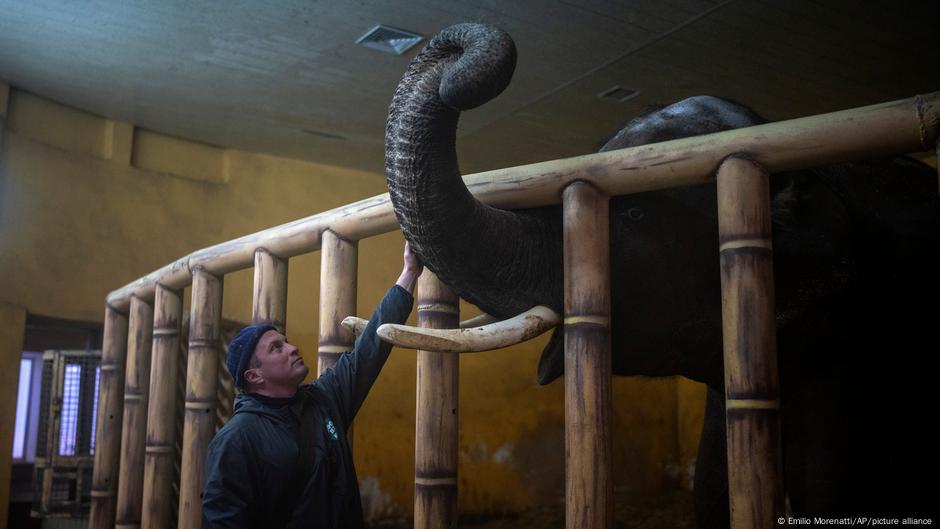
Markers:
point(135, 409)
point(64, 447)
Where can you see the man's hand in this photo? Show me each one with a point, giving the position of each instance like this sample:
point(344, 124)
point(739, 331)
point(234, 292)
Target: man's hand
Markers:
point(410, 271)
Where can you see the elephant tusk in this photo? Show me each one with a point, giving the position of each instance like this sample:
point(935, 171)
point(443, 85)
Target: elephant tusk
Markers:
point(478, 321)
point(356, 325)
point(525, 326)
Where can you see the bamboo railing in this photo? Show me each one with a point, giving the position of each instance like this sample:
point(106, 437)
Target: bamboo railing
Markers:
point(201, 384)
point(159, 472)
point(136, 391)
point(752, 391)
point(436, 416)
point(110, 414)
point(896, 127)
point(269, 295)
point(588, 482)
point(339, 263)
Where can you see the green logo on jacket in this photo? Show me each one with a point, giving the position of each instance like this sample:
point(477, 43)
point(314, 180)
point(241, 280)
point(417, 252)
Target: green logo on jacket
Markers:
point(331, 429)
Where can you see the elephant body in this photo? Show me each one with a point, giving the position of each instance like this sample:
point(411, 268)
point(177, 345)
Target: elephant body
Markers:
point(855, 245)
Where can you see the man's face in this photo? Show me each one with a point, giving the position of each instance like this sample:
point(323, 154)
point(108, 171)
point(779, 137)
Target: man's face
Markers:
point(278, 363)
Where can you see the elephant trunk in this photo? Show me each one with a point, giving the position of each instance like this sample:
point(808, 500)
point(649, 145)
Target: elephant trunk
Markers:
point(499, 260)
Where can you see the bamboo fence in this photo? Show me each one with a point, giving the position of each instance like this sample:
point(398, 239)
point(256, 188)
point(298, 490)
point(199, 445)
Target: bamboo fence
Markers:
point(159, 463)
point(136, 391)
point(588, 449)
point(909, 125)
point(752, 389)
point(339, 263)
point(201, 385)
point(436, 416)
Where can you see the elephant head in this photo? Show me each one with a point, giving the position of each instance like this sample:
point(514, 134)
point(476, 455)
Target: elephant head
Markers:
point(506, 262)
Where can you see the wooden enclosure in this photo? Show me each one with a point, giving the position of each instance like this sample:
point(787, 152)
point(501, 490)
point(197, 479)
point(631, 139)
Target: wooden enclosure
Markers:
point(161, 417)
point(742, 158)
point(752, 390)
point(436, 416)
point(588, 483)
point(136, 391)
point(339, 263)
point(201, 384)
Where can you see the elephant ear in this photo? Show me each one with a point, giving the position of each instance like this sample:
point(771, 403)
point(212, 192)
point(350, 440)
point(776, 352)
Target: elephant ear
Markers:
point(552, 362)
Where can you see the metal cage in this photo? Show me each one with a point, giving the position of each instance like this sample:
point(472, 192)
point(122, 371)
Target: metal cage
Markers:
point(65, 444)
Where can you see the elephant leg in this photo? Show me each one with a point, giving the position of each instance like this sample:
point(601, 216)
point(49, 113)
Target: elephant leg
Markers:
point(711, 467)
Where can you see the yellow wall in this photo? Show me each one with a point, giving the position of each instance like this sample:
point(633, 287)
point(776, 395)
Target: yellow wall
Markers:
point(88, 205)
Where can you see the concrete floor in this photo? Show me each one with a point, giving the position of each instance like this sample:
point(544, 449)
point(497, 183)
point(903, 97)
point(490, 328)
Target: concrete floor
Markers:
point(673, 510)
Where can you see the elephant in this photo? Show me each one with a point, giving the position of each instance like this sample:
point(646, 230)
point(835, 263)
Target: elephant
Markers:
point(855, 245)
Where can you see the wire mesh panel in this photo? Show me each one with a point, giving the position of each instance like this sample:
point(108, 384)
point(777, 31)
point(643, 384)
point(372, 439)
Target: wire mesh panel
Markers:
point(65, 441)
point(41, 436)
point(68, 410)
point(94, 411)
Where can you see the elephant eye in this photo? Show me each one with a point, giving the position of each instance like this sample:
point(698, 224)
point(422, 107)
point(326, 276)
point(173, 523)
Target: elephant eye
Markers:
point(635, 213)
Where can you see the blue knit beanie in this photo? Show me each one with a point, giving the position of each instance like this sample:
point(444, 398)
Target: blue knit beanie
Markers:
point(240, 349)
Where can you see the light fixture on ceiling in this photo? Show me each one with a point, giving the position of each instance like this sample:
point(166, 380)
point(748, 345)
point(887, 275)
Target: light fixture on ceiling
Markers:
point(389, 39)
point(618, 93)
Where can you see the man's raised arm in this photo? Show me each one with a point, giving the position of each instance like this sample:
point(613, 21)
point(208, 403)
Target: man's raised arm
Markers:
point(350, 380)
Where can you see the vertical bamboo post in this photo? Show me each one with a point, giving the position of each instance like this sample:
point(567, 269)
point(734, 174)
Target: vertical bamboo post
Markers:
point(110, 415)
point(269, 299)
point(136, 390)
point(436, 418)
point(339, 262)
point(160, 460)
point(752, 394)
point(588, 485)
point(202, 379)
point(54, 425)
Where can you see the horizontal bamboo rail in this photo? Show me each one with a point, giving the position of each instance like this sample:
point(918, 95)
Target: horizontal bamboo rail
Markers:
point(907, 125)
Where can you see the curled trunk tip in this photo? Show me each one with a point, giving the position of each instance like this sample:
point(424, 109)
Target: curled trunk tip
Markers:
point(484, 66)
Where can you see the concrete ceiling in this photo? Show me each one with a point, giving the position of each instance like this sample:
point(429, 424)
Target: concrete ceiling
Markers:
point(287, 78)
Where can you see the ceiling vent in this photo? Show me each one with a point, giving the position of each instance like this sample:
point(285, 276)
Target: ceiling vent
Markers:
point(389, 39)
point(618, 93)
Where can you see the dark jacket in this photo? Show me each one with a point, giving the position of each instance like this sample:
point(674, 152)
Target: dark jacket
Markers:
point(286, 462)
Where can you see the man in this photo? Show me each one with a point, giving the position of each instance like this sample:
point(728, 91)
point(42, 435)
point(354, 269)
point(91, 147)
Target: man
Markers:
point(283, 459)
